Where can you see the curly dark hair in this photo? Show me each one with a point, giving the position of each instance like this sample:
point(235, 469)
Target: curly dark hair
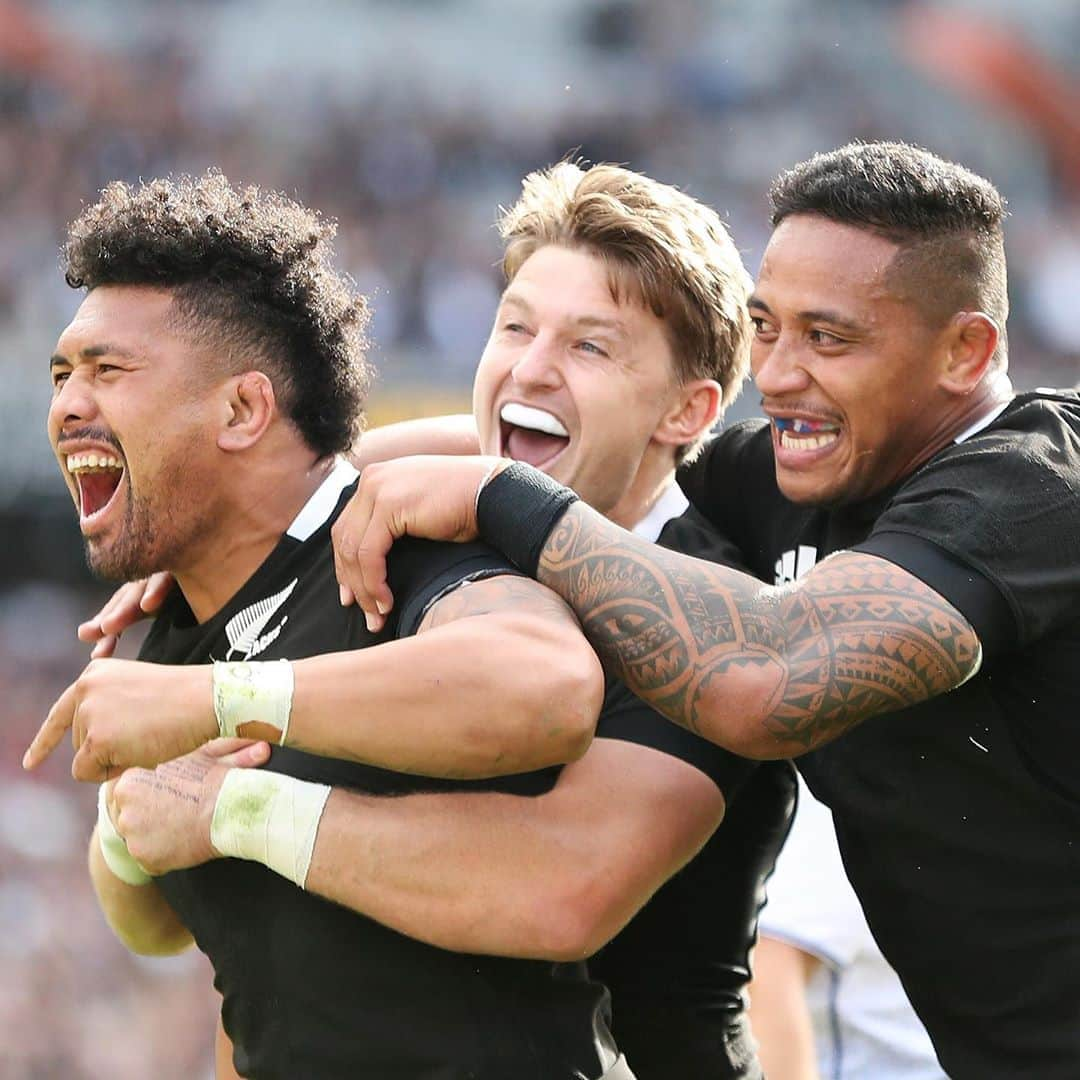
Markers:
point(250, 272)
point(946, 220)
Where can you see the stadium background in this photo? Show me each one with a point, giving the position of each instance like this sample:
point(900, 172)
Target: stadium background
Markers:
point(409, 121)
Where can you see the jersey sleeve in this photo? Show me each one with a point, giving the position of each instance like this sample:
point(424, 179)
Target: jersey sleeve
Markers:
point(419, 572)
point(993, 525)
point(628, 718)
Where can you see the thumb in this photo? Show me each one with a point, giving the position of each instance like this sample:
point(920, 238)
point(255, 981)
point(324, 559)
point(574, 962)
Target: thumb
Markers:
point(239, 753)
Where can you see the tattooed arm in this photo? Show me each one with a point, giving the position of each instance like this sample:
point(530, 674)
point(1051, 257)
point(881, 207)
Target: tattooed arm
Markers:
point(766, 672)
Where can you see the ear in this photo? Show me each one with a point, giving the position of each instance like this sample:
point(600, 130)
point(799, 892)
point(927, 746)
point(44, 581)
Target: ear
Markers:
point(971, 339)
point(249, 406)
point(694, 411)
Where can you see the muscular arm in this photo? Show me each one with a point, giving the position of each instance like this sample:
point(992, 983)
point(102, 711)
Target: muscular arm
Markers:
point(767, 672)
point(498, 680)
point(454, 434)
point(139, 915)
point(551, 877)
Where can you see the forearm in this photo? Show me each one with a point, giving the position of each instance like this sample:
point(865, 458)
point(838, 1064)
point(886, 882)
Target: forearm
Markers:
point(482, 696)
point(765, 672)
point(455, 434)
point(480, 873)
point(139, 915)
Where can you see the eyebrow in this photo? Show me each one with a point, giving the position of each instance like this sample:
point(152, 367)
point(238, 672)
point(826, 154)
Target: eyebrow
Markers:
point(813, 315)
point(616, 326)
point(91, 352)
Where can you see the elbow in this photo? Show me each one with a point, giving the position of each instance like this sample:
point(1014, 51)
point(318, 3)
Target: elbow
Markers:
point(569, 702)
point(157, 941)
point(575, 922)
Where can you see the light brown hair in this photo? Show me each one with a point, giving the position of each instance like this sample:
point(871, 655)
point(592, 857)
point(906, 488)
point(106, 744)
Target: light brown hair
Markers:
point(661, 247)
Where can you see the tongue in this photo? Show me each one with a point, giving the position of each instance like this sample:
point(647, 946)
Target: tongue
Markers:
point(533, 447)
point(96, 489)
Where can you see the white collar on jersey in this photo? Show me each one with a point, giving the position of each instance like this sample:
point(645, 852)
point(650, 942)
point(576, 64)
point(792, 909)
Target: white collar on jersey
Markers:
point(671, 504)
point(985, 421)
point(321, 504)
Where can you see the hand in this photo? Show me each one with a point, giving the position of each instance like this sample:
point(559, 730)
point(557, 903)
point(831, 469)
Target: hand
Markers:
point(164, 815)
point(431, 497)
point(127, 712)
point(126, 606)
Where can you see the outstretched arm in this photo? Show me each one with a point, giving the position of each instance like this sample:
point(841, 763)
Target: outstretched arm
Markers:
point(767, 672)
point(498, 680)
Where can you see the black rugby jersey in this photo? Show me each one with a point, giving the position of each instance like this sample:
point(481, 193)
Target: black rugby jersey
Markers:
point(312, 989)
point(678, 971)
point(959, 819)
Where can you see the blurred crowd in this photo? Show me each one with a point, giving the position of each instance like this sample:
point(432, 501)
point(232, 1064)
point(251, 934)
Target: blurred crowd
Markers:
point(409, 123)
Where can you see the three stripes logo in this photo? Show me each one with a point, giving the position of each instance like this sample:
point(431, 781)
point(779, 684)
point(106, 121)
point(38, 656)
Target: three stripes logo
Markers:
point(794, 563)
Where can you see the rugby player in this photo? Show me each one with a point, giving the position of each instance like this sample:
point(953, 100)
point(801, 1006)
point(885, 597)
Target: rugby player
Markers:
point(583, 376)
point(927, 670)
point(200, 394)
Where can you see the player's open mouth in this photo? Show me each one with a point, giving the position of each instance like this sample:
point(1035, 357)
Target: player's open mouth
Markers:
point(97, 476)
point(531, 435)
point(805, 436)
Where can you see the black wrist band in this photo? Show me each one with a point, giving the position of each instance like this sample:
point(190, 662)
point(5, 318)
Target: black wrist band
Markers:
point(517, 510)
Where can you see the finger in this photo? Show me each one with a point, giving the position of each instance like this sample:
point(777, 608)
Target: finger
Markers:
point(105, 647)
point(373, 593)
point(219, 748)
point(86, 767)
point(126, 611)
point(158, 588)
point(247, 757)
point(52, 730)
point(91, 630)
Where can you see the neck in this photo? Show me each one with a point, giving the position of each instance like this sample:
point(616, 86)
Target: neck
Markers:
point(654, 476)
point(250, 522)
point(993, 392)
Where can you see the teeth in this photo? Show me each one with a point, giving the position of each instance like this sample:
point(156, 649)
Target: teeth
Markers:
point(81, 462)
point(534, 419)
point(790, 441)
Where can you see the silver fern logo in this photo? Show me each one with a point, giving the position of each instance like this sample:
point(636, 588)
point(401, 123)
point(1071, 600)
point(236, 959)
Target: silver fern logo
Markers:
point(244, 630)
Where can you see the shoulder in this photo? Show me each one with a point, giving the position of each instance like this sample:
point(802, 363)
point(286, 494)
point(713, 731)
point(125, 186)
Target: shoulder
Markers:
point(420, 571)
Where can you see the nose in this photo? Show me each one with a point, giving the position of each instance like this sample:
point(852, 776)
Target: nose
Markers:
point(72, 404)
point(778, 367)
point(537, 365)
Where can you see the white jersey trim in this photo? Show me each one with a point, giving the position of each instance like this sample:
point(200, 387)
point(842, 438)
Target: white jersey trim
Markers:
point(321, 505)
point(672, 504)
point(986, 421)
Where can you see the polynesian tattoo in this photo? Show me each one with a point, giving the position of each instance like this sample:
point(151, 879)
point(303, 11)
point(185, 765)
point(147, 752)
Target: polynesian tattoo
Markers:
point(766, 671)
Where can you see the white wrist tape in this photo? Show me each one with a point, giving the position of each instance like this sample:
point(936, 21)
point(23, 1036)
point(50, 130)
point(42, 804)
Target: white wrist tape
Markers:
point(270, 819)
point(253, 693)
point(113, 849)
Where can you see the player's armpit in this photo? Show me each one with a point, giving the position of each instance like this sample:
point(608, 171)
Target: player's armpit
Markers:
point(764, 671)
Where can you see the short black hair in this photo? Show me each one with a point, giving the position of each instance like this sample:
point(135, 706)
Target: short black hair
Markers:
point(947, 220)
point(250, 272)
